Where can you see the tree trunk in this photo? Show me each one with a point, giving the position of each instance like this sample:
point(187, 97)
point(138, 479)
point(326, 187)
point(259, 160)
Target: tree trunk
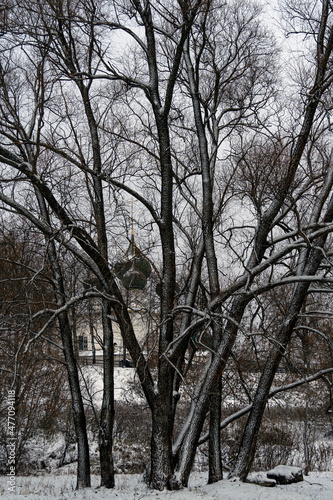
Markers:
point(249, 439)
point(83, 464)
point(161, 444)
point(200, 405)
point(207, 166)
point(83, 468)
point(107, 411)
point(214, 458)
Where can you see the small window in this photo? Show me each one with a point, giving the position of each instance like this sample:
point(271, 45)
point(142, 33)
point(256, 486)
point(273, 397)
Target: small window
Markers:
point(83, 343)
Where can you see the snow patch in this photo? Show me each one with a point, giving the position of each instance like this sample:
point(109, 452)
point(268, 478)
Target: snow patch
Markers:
point(126, 385)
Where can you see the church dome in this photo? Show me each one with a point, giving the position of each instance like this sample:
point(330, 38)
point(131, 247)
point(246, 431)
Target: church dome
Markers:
point(135, 270)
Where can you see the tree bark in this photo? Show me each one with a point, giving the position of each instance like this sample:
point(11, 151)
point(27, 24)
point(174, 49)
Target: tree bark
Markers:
point(107, 411)
point(83, 467)
point(247, 448)
point(215, 455)
point(201, 400)
point(161, 444)
point(309, 267)
point(215, 472)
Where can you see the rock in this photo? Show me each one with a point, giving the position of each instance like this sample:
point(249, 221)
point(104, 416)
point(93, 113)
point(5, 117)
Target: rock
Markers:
point(260, 479)
point(285, 474)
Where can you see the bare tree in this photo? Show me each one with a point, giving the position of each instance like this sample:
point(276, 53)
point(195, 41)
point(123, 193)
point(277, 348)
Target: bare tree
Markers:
point(38, 375)
point(186, 121)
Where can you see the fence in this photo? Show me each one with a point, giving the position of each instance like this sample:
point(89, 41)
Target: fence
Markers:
point(118, 361)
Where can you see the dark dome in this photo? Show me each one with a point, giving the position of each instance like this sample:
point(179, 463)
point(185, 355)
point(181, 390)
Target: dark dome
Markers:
point(134, 279)
point(143, 265)
point(134, 271)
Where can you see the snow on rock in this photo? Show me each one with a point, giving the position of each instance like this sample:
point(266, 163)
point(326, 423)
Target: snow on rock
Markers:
point(261, 479)
point(285, 474)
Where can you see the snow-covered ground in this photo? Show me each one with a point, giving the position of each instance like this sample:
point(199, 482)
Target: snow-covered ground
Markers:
point(316, 486)
point(60, 483)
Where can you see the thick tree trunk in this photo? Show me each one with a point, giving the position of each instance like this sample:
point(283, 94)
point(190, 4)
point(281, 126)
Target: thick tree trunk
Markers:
point(83, 465)
point(215, 472)
point(107, 411)
point(161, 445)
point(162, 410)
